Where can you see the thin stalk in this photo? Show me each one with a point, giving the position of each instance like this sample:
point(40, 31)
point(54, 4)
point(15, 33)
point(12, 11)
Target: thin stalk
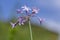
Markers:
point(30, 31)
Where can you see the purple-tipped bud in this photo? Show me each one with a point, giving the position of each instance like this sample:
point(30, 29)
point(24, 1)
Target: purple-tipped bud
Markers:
point(20, 24)
point(12, 24)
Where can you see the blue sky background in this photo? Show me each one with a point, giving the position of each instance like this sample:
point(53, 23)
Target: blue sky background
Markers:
point(49, 9)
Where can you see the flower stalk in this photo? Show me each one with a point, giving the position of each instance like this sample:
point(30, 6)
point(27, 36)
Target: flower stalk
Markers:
point(30, 31)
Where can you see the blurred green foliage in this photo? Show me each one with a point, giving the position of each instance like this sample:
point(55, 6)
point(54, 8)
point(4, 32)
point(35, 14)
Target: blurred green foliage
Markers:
point(22, 32)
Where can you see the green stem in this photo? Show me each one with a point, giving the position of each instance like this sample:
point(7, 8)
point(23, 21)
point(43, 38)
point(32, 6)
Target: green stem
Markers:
point(30, 31)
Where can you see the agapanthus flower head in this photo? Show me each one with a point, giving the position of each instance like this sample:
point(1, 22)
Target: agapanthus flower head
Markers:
point(24, 18)
point(35, 10)
point(25, 8)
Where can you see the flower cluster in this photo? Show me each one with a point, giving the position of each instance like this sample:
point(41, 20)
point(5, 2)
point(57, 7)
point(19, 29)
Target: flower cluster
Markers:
point(24, 18)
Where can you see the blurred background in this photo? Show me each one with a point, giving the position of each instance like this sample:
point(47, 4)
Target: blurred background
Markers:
point(49, 10)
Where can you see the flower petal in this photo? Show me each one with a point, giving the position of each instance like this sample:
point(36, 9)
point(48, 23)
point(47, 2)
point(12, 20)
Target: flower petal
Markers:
point(19, 11)
point(25, 8)
point(35, 10)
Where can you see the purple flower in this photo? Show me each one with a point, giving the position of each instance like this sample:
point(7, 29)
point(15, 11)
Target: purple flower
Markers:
point(35, 10)
point(19, 11)
point(25, 8)
point(21, 20)
point(41, 20)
